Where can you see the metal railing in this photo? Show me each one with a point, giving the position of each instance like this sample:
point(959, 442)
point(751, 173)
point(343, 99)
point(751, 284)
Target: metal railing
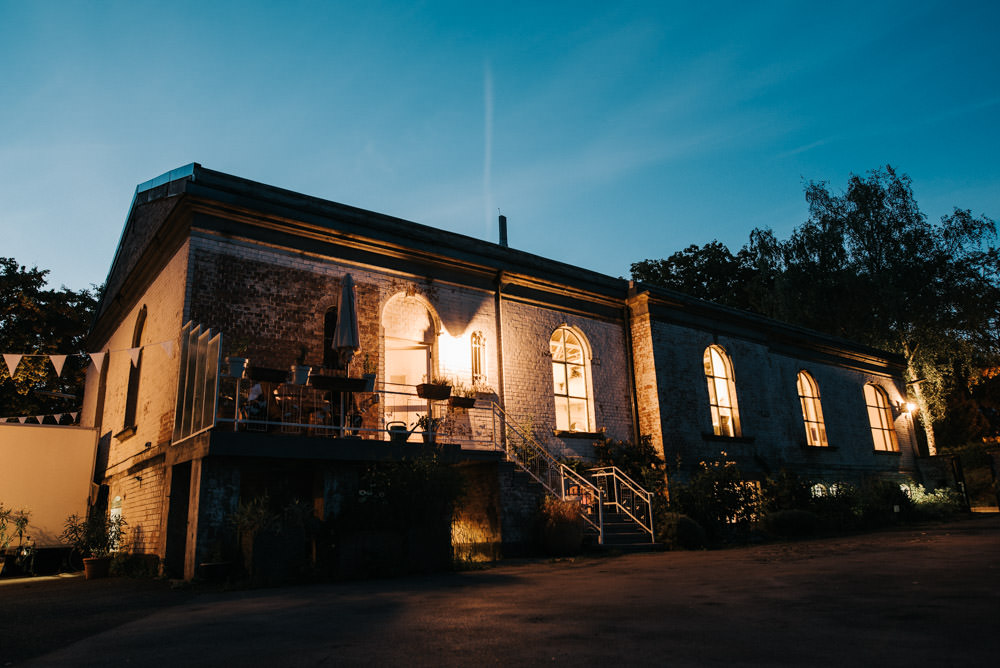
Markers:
point(626, 496)
point(558, 479)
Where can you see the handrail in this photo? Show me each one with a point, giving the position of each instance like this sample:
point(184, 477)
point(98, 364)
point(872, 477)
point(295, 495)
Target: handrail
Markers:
point(558, 479)
point(627, 496)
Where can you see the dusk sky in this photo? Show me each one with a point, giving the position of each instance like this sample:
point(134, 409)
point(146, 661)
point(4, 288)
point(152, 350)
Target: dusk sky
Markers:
point(606, 132)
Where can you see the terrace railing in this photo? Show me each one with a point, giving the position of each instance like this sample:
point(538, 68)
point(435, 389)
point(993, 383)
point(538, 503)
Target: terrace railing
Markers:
point(625, 496)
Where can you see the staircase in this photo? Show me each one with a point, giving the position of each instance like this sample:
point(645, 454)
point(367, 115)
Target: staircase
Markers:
point(613, 507)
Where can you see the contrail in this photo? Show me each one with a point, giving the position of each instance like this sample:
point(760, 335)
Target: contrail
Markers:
point(487, 147)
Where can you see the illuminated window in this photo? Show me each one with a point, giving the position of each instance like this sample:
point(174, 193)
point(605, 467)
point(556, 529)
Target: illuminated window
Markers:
point(880, 417)
point(569, 379)
point(134, 371)
point(722, 392)
point(478, 358)
point(812, 411)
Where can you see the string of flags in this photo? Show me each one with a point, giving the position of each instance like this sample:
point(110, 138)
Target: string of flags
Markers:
point(12, 360)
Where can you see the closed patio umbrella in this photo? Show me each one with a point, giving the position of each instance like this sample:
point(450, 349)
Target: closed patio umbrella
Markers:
point(346, 335)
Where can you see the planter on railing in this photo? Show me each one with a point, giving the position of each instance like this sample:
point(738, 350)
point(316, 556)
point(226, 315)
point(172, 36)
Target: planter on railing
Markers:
point(462, 402)
point(340, 383)
point(433, 392)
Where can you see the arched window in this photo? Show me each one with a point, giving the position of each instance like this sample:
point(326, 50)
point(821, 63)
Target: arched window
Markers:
point(478, 358)
point(134, 371)
point(330, 357)
point(812, 411)
point(569, 379)
point(722, 392)
point(880, 418)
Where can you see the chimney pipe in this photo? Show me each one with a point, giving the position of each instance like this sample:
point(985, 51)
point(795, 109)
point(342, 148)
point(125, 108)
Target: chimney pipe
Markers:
point(503, 231)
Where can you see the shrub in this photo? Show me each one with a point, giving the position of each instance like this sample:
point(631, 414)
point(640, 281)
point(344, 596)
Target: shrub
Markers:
point(791, 523)
point(719, 499)
point(677, 531)
point(881, 503)
point(135, 565)
point(561, 527)
point(939, 504)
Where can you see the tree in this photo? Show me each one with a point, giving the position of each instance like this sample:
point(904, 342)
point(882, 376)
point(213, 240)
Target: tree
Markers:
point(868, 266)
point(709, 272)
point(35, 320)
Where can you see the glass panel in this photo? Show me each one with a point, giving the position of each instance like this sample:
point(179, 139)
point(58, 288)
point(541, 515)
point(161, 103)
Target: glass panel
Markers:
point(726, 426)
point(578, 415)
point(719, 365)
point(712, 399)
point(577, 384)
point(574, 351)
point(707, 361)
point(556, 347)
point(722, 392)
point(559, 378)
point(562, 414)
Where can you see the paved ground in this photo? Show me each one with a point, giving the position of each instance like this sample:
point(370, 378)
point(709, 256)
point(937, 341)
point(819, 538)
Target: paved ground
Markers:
point(917, 596)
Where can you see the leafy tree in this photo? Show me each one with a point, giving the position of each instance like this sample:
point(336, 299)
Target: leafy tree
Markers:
point(868, 266)
point(37, 320)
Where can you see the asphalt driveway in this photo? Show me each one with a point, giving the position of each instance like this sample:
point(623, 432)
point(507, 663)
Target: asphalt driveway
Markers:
point(926, 595)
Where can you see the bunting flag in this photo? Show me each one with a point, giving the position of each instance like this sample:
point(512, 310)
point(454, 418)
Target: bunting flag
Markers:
point(12, 362)
point(98, 360)
point(73, 415)
point(22, 419)
point(57, 363)
point(57, 417)
point(168, 348)
point(134, 354)
point(40, 418)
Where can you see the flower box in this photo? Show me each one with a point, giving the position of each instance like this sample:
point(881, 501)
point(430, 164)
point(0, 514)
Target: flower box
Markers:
point(433, 392)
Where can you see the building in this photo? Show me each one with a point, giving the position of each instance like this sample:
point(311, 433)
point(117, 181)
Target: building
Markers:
point(211, 267)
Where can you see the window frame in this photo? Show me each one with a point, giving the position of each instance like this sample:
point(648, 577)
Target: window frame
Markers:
point(477, 343)
point(812, 410)
point(563, 402)
point(880, 418)
point(717, 382)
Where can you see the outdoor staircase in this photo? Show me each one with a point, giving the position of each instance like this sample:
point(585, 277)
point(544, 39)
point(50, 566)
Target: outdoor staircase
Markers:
point(614, 508)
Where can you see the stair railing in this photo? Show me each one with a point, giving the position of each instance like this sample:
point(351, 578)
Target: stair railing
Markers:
point(626, 496)
point(555, 477)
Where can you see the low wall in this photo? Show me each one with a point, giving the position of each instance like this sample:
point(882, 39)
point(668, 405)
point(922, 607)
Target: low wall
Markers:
point(47, 471)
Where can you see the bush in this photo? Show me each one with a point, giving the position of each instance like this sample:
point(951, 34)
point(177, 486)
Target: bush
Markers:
point(561, 527)
point(720, 500)
point(881, 503)
point(135, 565)
point(678, 531)
point(939, 504)
point(791, 523)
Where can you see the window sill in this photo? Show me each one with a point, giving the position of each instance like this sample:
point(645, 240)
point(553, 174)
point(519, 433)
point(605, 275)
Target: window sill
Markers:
point(126, 433)
point(891, 453)
point(727, 439)
point(591, 435)
point(818, 448)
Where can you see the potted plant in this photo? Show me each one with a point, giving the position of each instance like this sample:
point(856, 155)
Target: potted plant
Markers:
point(237, 358)
point(12, 523)
point(370, 369)
point(430, 426)
point(436, 388)
point(300, 372)
point(462, 396)
point(95, 539)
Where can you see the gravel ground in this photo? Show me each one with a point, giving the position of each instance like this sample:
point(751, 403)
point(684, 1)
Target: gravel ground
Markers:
point(927, 595)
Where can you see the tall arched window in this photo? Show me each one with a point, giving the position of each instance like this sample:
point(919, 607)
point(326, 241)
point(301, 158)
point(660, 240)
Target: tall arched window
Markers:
point(134, 371)
point(812, 411)
point(478, 358)
point(880, 418)
point(722, 392)
point(330, 357)
point(569, 379)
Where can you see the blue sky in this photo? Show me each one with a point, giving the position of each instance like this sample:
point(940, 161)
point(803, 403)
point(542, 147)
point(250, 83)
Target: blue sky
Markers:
point(606, 132)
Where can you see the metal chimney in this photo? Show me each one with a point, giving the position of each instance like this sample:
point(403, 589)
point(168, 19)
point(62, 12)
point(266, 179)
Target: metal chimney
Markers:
point(503, 231)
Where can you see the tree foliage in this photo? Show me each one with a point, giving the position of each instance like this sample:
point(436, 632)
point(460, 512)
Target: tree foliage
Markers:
point(868, 266)
point(37, 320)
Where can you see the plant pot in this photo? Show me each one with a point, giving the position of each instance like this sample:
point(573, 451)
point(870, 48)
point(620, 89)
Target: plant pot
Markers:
point(337, 383)
point(430, 438)
point(266, 375)
point(433, 392)
point(300, 373)
point(462, 402)
point(97, 567)
point(237, 365)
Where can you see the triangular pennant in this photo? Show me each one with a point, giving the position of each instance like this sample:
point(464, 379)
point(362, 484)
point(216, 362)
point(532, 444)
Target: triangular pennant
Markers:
point(57, 363)
point(134, 354)
point(40, 418)
point(98, 360)
point(168, 348)
point(73, 415)
point(58, 417)
point(21, 419)
point(12, 362)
